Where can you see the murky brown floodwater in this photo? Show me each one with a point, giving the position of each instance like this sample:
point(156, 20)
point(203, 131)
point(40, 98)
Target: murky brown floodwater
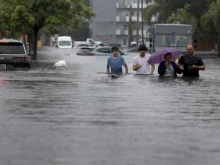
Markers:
point(81, 116)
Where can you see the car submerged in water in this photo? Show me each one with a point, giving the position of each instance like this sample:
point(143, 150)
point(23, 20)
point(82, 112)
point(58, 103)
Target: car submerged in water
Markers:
point(13, 55)
point(97, 51)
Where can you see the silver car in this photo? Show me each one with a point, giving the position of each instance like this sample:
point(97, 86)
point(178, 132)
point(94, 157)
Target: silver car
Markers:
point(13, 55)
point(97, 51)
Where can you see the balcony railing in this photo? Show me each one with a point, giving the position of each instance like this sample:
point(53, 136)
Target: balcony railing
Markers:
point(121, 32)
point(134, 32)
point(122, 18)
point(126, 18)
point(121, 5)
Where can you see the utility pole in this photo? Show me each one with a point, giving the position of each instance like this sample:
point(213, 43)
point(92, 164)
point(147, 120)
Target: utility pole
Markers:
point(142, 21)
point(137, 27)
point(130, 27)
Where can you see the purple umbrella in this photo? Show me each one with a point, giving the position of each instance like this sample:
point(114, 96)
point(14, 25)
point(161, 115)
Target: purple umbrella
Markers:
point(158, 56)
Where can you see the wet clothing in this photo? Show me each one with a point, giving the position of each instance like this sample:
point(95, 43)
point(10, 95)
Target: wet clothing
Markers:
point(116, 64)
point(171, 70)
point(145, 66)
point(187, 62)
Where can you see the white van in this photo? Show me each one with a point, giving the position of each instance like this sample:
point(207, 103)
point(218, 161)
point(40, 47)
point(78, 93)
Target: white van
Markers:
point(64, 42)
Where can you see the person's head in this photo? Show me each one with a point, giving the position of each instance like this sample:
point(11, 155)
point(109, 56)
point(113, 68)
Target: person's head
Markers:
point(142, 49)
point(115, 51)
point(190, 50)
point(168, 57)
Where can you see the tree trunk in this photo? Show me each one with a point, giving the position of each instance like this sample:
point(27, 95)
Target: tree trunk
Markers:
point(218, 44)
point(24, 40)
point(34, 57)
point(30, 42)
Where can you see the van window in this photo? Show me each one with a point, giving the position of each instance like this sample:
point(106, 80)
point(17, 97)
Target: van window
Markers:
point(65, 43)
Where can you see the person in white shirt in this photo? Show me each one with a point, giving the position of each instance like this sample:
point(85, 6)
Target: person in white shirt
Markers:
point(140, 62)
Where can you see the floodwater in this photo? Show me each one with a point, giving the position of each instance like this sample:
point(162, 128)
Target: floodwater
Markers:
point(81, 116)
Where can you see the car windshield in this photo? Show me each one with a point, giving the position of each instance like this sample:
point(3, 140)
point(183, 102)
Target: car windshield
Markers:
point(11, 48)
point(104, 50)
point(64, 43)
point(85, 50)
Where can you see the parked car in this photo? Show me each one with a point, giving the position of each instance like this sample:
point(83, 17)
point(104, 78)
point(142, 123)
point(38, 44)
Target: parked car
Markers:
point(100, 45)
point(83, 45)
point(97, 51)
point(13, 55)
point(84, 51)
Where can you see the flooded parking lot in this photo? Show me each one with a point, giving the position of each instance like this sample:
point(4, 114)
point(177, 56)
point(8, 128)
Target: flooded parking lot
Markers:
point(81, 116)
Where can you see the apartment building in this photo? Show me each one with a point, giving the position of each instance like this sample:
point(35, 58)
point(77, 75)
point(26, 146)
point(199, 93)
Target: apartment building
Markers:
point(111, 24)
point(103, 25)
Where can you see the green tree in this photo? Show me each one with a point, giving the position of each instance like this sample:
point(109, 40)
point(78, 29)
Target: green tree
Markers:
point(162, 8)
point(211, 19)
point(176, 11)
point(184, 17)
point(30, 16)
point(188, 11)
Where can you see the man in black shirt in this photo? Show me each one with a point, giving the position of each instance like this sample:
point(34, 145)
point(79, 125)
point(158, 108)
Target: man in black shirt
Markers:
point(190, 63)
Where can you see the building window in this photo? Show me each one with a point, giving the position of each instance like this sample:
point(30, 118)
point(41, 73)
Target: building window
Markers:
point(134, 1)
point(132, 13)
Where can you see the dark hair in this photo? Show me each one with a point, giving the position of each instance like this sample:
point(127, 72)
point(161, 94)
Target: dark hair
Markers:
point(114, 48)
point(168, 53)
point(142, 47)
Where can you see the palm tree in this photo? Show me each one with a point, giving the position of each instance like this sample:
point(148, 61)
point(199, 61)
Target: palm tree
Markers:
point(184, 17)
point(163, 9)
point(211, 19)
point(157, 8)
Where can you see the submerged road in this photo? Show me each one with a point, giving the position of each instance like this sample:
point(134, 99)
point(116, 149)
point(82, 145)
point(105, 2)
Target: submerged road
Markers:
point(81, 116)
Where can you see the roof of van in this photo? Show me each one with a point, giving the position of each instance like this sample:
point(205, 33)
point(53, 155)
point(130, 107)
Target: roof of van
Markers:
point(64, 37)
point(171, 25)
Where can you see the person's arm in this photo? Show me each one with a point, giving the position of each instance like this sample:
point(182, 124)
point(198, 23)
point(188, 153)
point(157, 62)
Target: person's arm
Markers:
point(136, 66)
point(161, 68)
point(180, 63)
point(125, 65)
point(176, 68)
point(126, 68)
point(152, 69)
point(108, 70)
point(108, 65)
point(198, 67)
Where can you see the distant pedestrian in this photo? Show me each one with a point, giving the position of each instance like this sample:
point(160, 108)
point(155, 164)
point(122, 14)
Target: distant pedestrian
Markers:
point(140, 62)
point(190, 63)
point(115, 62)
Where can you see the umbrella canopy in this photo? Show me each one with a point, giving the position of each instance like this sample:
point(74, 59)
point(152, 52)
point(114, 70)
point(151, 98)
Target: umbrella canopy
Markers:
point(158, 56)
